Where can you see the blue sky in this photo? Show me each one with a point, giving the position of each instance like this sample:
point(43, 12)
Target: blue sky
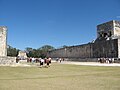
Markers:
point(34, 23)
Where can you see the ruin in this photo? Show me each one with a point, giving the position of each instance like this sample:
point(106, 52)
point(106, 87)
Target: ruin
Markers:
point(22, 55)
point(107, 44)
point(4, 59)
point(3, 41)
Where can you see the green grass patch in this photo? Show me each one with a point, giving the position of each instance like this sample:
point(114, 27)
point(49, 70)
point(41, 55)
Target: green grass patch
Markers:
point(60, 77)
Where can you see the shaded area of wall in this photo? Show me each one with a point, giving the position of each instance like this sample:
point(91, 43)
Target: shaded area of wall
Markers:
point(105, 48)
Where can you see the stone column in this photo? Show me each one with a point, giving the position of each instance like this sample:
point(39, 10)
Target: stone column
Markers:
point(3, 41)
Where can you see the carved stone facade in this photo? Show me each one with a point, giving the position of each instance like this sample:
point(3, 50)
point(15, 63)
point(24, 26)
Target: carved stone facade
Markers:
point(107, 44)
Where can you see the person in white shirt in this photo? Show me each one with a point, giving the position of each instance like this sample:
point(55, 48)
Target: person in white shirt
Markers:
point(41, 62)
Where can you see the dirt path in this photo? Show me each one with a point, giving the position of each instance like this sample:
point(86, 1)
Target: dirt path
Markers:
point(91, 63)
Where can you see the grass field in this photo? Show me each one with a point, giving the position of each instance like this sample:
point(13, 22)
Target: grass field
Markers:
point(60, 77)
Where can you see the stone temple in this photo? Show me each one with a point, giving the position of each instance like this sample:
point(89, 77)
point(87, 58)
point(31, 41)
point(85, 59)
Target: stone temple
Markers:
point(107, 44)
point(4, 59)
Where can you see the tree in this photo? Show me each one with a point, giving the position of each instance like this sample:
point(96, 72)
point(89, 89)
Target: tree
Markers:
point(12, 51)
point(65, 46)
point(44, 49)
point(40, 52)
point(34, 52)
point(29, 51)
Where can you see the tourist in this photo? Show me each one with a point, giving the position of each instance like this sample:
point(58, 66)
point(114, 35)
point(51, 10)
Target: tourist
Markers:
point(41, 62)
point(17, 59)
point(30, 59)
point(63, 59)
point(60, 60)
point(99, 59)
point(112, 60)
point(57, 59)
point(33, 59)
point(47, 62)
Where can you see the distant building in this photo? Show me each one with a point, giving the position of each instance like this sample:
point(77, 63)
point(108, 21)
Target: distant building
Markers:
point(107, 44)
point(22, 55)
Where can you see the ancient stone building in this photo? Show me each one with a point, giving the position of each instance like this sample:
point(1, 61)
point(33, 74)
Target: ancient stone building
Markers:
point(107, 44)
point(22, 55)
point(3, 41)
point(4, 59)
point(108, 39)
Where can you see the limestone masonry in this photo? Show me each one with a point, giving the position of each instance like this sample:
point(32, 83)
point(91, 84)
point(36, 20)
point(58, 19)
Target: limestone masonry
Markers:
point(4, 59)
point(3, 41)
point(107, 44)
point(22, 55)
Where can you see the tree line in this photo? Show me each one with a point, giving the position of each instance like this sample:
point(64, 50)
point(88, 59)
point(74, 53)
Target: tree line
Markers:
point(31, 52)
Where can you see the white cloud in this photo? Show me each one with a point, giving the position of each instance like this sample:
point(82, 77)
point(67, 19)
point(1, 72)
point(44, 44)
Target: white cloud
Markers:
point(118, 16)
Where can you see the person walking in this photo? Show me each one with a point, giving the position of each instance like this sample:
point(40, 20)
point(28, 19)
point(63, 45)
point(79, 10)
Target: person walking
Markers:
point(41, 62)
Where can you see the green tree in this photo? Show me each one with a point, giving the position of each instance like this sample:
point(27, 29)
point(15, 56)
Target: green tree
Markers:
point(40, 52)
point(29, 51)
point(44, 49)
point(12, 51)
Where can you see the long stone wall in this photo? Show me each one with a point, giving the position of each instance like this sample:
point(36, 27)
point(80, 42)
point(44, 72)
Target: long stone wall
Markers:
point(81, 51)
point(103, 48)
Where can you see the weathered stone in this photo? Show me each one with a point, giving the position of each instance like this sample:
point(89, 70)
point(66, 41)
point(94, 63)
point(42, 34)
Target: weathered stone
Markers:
point(4, 60)
point(22, 55)
point(3, 41)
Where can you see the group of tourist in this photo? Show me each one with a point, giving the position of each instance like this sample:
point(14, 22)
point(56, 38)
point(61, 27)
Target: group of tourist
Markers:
point(106, 60)
point(46, 61)
point(43, 61)
point(59, 59)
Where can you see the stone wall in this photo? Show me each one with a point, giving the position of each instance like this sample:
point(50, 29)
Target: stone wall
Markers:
point(104, 48)
point(6, 61)
point(81, 51)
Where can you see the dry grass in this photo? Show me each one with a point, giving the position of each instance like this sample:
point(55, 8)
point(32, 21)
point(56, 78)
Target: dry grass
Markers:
point(60, 77)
